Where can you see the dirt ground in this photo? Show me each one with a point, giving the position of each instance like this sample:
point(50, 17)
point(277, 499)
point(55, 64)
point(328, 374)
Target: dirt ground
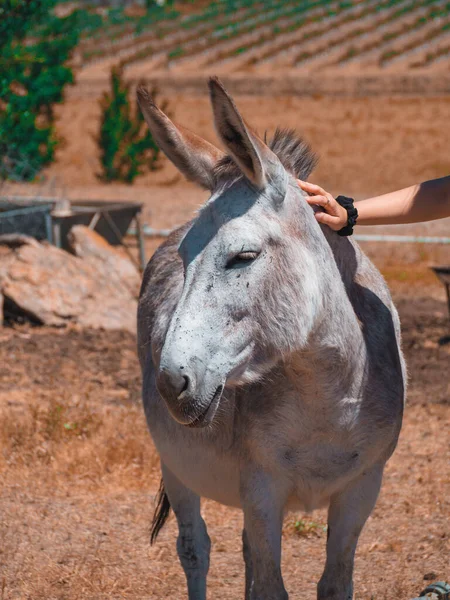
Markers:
point(78, 474)
point(366, 145)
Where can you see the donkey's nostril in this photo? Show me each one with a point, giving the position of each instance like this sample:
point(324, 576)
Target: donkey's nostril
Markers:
point(185, 386)
point(172, 384)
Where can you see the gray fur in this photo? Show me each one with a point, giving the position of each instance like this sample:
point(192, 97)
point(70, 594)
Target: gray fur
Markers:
point(294, 154)
point(269, 385)
point(192, 155)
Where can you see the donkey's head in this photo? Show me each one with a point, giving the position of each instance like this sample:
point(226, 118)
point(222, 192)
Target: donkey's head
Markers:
point(252, 260)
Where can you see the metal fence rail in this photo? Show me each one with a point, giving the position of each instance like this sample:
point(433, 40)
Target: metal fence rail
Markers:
point(402, 239)
point(151, 232)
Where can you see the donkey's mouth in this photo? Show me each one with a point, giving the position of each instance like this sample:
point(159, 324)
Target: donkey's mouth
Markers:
point(208, 414)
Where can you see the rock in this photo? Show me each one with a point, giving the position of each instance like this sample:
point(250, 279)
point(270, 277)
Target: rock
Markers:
point(14, 240)
point(7, 257)
point(54, 287)
point(430, 344)
point(89, 245)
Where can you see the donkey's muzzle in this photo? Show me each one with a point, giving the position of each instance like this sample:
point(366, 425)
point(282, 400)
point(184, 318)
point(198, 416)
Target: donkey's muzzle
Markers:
point(189, 401)
point(179, 391)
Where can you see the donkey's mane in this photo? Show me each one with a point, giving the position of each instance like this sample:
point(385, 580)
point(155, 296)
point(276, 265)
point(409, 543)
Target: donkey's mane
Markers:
point(293, 152)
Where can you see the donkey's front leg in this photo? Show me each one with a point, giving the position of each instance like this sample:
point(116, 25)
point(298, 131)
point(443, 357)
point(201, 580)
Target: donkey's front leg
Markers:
point(263, 519)
point(193, 542)
point(347, 515)
point(248, 565)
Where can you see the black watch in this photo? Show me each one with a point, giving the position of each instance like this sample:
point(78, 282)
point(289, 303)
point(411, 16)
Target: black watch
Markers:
point(352, 215)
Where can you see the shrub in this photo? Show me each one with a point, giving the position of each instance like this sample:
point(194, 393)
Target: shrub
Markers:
point(175, 53)
point(126, 144)
point(34, 45)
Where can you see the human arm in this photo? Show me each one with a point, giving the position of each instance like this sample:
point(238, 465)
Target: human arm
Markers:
point(424, 202)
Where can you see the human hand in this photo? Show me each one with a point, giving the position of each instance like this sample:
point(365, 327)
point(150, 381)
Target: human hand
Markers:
point(335, 215)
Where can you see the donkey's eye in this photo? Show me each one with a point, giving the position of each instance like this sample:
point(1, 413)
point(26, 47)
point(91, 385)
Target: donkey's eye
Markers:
point(246, 256)
point(242, 259)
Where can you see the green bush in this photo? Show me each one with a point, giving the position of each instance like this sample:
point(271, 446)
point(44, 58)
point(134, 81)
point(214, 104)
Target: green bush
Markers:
point(126, 144)
point(34, 45)
point(175, 53)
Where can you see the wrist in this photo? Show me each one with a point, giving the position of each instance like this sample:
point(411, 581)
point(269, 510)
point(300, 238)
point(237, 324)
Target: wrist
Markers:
point(343, 217)
point(348, 206)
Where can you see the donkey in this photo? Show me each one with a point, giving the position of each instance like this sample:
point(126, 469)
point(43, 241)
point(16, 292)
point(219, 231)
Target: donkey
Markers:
point(270, 350)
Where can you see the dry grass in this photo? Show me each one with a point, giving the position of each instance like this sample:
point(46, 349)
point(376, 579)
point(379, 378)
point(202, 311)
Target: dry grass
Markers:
point(75, 418)
point(69, 443)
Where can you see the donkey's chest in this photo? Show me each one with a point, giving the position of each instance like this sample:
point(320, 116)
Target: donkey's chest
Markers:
point(316, 448)
point(211, 471)
point(204, 460)
point(308, 453)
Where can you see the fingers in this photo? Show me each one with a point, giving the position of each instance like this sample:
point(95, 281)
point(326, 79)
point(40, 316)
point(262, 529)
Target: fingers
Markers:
point(335, 216)
point(326, 219)
point(311, 188)
point(320, 200)
point(328, 203)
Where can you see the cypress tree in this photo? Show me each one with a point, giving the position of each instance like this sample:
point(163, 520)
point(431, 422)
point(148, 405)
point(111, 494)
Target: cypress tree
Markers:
point(127, 147)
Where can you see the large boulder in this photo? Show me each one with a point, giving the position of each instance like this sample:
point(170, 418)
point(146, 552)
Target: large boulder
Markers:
point(93, 248)
point(54, 287)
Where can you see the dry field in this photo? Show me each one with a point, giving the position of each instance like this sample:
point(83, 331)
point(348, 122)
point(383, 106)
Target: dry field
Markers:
point(78, 471)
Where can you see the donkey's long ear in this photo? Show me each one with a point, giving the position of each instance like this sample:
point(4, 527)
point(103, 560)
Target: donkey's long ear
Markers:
point(192, 155)
point(253, 157)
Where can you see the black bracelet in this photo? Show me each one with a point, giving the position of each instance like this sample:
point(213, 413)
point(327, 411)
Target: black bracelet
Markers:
point(352, 215)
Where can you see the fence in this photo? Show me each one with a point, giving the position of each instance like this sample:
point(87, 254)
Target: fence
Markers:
point(150, 232)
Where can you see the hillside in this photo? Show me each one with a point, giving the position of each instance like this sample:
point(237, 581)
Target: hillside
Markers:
point(267, 38)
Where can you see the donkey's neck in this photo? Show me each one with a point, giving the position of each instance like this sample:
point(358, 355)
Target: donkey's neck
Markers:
point(332, 364)
point(336, 349)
